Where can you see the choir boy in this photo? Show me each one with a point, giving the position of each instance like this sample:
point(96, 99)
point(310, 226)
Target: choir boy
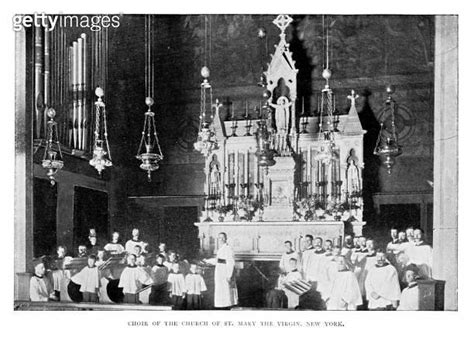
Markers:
point(348, 247)
point(40, 287)
point(58, 274)
point(292, 275)
point(409, 300)
point(132, 280)
point(382, 285)
point(402, 237)
point(176, 287)
point(88, 279)
point(159, 289)
point(135, 240)
point(162, 250)
point(344, 293)
point(195, 285)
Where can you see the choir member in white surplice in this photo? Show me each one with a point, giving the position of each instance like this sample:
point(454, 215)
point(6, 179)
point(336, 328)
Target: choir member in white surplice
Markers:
point(287, 255)
point(306, 254)
point(114, 247)
point(317, 264)
point(195, 286)
point(291, 276)
point(409, 300)
point(344, 293)
point(88, 279)
point(358, 260)
point(40, 287)
point(225, 288)
point(176, 287)
point(420, 254)
point(382, 286)
point(132, 279)
point(135, 240)
point(329, 272)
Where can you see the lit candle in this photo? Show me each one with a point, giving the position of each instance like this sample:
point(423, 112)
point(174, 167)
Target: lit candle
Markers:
point(246, 109)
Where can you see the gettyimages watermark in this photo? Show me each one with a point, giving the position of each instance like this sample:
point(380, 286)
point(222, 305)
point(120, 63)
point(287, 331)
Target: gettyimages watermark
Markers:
point(51, 22)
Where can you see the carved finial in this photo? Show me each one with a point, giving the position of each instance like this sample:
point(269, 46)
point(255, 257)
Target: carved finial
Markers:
point(282, 21)
point(353, 97)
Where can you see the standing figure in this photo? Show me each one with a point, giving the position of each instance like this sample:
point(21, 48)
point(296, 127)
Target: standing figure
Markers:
point(40, 287)
point(225, 293)
point(135, 240)
point(195, 286)
point(176, 287)
point(214, 177)
point(88, 279)
point(132, 280)
point(114, 247)
point(291, 276)
point(353, 174)
point(345, 292)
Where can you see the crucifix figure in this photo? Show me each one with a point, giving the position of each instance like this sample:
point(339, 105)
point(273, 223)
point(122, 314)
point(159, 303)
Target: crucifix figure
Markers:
point(353, 97)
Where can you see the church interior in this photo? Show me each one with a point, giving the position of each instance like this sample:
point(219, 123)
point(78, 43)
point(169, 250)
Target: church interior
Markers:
point(267, 128)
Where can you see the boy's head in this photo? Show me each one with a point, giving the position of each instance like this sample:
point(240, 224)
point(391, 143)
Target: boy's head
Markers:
point(193, 268)
point(381, 258)
point(394, 233)
point(318, 242)
point(370, 244)
point(411, 273)
point(137, 250)
point(362, 241)
point(61, 251)
point(402, 235)
point(328, 245)
point(288, 246)
point(40, 269)
point(135, 233)
point(175, 268)
point(82, 249)
point(160, 259)
point(91, 260)
point(131, 259)
point(162, 247)
point(115, 237)
point(308, 241)
point(100, 254)
point(93, 240)
point(172, 256)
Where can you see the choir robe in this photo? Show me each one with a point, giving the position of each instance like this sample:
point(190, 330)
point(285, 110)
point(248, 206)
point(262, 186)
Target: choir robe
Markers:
point(114, 248)
point(382, 280)
point(285, 261)
point(176, 284)
point(409, 300)
point(305, 259)
point(346, 251)
point(133, 278)
point(421, 255)
point(40, 289)
point(88, 279)
point(130, 245)
point(195, 285)
point(345, 292)
point(359, 261)
point(329, 270)
point(317, 263)
point(225, 292)
point(293, 298)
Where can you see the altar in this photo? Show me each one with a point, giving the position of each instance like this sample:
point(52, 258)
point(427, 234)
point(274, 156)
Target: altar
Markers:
point(282, 173)
point(264, 241)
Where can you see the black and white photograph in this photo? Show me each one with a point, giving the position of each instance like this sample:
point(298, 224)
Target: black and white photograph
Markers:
point(258, 163)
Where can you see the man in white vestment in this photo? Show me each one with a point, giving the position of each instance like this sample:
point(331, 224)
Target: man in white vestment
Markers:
point(344, 293)
point(409, 300)
point(317, 264)
point(135, 240)
point(420, 254)
point(306, 254)
point(40, 287)
point(382, 286)
point(287, 256)
point(225, 288)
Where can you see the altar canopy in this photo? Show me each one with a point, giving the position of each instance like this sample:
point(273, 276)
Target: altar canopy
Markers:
point(286, 174)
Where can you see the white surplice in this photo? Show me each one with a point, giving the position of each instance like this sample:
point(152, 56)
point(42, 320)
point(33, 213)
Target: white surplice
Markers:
point(383, 281)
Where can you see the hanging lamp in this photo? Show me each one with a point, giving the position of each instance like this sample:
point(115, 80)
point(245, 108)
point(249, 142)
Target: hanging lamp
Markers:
point(149, 150)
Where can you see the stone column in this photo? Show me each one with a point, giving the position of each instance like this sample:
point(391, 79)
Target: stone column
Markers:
point(445, 202)
point(23, 174)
